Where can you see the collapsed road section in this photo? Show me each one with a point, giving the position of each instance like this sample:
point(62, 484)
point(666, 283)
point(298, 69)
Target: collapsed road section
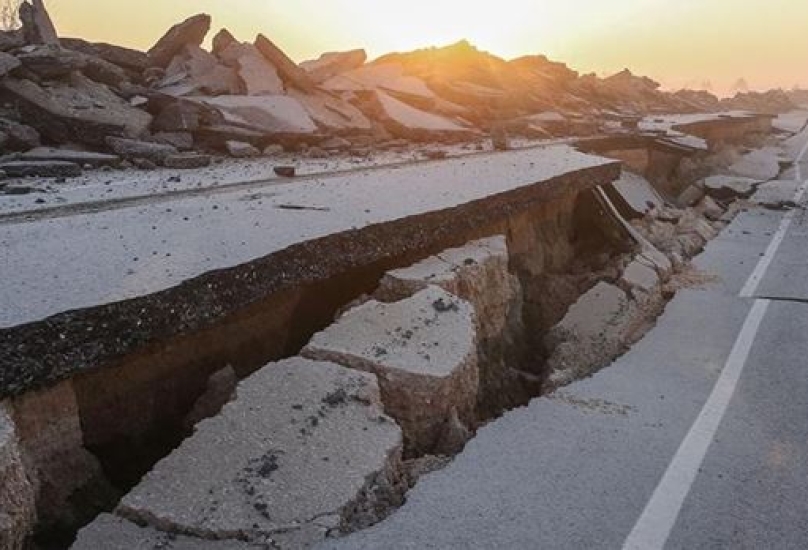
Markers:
point(460, 289)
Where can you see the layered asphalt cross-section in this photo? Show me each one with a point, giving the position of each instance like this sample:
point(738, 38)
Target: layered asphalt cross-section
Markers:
point(130, 273)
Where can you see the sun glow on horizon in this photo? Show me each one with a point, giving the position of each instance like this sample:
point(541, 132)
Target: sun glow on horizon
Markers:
point(677, 42)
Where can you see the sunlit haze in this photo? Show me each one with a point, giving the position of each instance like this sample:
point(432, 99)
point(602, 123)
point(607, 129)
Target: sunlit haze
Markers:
point(682, 43)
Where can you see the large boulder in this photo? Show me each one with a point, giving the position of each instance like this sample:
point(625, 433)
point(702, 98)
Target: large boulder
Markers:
point(37, 26)
point(195, 71)
point(303, 449)
point(288, 69)
point(191, 32)
point(78, 110)
point(332, 64)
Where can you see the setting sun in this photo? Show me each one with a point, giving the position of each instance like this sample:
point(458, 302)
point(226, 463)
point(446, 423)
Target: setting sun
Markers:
point(589, 35)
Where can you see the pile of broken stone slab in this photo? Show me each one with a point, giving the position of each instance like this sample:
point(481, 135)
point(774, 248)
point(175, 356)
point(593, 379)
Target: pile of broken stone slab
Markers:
point(95, 104)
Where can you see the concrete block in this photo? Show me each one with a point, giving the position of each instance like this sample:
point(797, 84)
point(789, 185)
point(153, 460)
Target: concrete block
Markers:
point(477, 273)
point(302, 450)
point(592, 330)
point(640, 276)
point(423, 350)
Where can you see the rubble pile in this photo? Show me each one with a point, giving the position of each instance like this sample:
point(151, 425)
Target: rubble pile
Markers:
point(178, 103)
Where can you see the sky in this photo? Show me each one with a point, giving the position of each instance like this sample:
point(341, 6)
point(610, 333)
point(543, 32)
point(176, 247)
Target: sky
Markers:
point(681, 43)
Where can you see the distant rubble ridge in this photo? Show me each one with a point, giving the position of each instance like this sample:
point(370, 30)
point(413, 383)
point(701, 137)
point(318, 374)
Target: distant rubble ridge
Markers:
point(178, 103)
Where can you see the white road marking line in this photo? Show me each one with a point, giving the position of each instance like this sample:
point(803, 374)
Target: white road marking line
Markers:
point(659, 517)
point(652, 530)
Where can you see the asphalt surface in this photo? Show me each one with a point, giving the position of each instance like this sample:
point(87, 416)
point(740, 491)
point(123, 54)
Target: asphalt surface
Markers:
point(132, 249)
point(696, 438)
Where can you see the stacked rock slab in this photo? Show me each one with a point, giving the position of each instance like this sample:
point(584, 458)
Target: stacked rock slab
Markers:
point(17, 512)
point(302, 451)
point(423, 350)
point(477, 273)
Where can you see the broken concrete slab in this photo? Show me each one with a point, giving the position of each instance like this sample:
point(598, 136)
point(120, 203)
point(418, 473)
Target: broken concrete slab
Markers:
point(82, 158)
point(403, 120)
point(192, 32)
point(760, 164)
point(270, 115)
point(79, 110)
point(477, 272)
point(37, 26)
point(134, 149)
point(193, 71)
point(41, 168)
point(331, 64)
point(635, 195)
point(423, 349)
point(115, 533)
point(289, 71)
point(304, 447)
point(17, 510)
point(259, 76)
point(389, 77)
point(592, 331)
point(333, 114)
point(727, 187)
point(776, 194)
